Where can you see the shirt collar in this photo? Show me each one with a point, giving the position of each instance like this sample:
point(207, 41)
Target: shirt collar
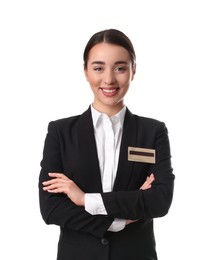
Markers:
point(96, 116)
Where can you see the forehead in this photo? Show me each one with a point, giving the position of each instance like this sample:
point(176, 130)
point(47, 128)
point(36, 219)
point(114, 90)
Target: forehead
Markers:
point(106, 52)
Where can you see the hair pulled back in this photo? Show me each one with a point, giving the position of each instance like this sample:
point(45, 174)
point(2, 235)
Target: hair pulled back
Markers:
point(111, 36)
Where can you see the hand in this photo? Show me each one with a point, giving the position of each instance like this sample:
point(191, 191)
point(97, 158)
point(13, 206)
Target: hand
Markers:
point(62, 184)
point(147, 184)
point(129, 221)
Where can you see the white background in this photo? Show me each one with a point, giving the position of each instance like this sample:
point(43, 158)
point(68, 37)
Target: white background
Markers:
point(41, 79)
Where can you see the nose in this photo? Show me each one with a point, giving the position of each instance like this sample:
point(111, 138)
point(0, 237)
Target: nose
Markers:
point(109, 78)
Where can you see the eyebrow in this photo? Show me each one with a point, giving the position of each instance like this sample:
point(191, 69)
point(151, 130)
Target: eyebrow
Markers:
point(103, 63)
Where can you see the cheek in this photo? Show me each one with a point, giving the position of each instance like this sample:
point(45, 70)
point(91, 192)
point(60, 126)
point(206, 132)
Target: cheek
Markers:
point(126, 80)
point(93, 81)
point(89, 76)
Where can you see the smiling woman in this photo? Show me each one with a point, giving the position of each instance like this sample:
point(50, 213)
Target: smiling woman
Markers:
point(109, 72)
point(105, 174)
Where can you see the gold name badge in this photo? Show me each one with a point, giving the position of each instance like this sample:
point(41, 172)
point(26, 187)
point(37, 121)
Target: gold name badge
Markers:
point(137, 154)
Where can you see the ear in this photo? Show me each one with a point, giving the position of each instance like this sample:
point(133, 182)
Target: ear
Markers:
point(133, 71)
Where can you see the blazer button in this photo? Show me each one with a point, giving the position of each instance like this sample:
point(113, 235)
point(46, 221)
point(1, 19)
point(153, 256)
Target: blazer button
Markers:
point(104, 241)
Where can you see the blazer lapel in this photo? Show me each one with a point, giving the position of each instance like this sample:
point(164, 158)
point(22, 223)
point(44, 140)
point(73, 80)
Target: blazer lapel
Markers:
point(129, 138)
point(88, 153)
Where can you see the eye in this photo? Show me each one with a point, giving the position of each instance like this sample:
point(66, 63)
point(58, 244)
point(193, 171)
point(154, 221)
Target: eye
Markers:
point(120, 69)
point(98, 69)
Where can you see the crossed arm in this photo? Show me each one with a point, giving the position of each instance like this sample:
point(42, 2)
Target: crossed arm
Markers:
point(60, 183)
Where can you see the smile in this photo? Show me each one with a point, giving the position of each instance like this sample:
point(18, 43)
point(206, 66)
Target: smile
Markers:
point(109, 92)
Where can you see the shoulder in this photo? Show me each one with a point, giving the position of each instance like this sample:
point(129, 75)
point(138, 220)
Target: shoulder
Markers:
point(149, 131)
point(151, 125)
point(65, 124)
point(147, 126)
point(146, 121)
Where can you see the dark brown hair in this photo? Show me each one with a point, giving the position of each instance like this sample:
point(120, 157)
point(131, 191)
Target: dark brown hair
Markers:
point(111, 36)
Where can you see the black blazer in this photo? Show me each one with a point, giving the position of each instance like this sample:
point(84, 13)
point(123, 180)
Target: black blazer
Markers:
point(70, 148)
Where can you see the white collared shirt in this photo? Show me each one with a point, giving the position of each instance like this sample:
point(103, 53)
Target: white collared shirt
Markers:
point(108, 134)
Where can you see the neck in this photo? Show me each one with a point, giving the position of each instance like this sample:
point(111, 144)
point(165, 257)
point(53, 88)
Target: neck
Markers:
point(108, 110)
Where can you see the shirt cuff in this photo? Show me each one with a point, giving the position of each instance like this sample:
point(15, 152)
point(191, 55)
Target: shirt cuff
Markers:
point(94, 204)
point(117, 225)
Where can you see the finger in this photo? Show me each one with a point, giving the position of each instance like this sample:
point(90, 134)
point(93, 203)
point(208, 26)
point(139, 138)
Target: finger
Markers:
point(52, 181)
point(151, 178)
point(144, 186)
point(52, 186)
point(147, 186)
point(58, 190)
point(56, 183)
point(148, 182)
point(56, 175)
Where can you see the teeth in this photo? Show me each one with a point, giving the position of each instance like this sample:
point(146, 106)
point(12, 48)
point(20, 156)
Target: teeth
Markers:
point(109, 90)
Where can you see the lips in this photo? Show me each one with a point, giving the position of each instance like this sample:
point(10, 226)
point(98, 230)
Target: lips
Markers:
point(109, 92)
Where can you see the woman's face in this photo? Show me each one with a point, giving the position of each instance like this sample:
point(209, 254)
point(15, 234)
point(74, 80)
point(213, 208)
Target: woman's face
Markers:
point(109, 72)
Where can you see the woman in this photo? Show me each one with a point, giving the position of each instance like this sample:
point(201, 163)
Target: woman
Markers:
point(106, 173)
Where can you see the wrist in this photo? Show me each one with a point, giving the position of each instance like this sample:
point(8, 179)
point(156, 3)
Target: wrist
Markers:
point(83, 200)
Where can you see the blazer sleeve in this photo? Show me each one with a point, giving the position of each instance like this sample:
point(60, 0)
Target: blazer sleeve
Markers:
point(153, 202)
point(58, 209)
